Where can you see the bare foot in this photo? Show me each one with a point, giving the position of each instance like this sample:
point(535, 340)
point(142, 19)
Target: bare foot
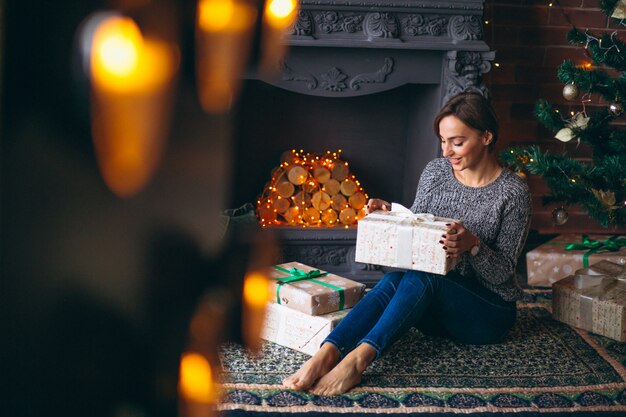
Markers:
point(313, 369)
point(347, 373)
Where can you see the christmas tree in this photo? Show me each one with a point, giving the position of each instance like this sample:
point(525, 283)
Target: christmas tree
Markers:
point(598, 185)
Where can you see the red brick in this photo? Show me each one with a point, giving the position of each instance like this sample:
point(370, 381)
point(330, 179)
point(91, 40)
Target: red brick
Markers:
point(515, 92)
point(519, 131)
point(503, 110)
point(521, 55)
point(614, 24)
point(535, 74)
point(581, 18)
point(503, 35)
point(522, 111)
point(543, 35)
point(502, 74)
point(554, 56)
point(519, 15)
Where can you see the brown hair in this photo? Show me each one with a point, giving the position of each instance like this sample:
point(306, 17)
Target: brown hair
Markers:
point(472, 109)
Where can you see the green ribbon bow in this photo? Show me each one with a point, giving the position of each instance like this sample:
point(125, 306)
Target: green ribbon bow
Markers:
point(612, 244)
point(296, 275)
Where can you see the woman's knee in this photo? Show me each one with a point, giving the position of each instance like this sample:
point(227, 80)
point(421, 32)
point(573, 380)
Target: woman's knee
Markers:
point(420, 279)
point(391, 278)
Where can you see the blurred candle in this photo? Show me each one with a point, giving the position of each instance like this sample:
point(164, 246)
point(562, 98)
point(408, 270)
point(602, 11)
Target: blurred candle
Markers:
point(131, 80)
point(196, 381)
point(198, 388)
point(255, 297)
point(224, 32)
point(278, 17)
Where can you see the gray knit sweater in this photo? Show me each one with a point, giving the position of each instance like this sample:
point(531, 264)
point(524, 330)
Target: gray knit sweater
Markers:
point(498, 213)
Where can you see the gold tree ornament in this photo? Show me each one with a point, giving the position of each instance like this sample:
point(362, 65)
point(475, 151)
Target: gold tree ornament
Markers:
point(311, 190)
point(560, 216)
point(607, 198)
point(570, 91)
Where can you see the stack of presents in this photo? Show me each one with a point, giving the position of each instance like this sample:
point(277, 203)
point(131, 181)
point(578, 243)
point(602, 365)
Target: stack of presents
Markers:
point(307, 303)
point(587, 275)
point(588, 279)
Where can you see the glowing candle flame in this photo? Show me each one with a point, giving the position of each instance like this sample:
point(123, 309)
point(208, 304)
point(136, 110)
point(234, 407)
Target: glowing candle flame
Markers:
point(196, 381)
point(255, 290)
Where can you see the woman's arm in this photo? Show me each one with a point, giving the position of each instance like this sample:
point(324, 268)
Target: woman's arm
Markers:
point(496, 263)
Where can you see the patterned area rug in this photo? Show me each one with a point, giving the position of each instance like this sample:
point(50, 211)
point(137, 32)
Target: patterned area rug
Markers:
point(543, 366)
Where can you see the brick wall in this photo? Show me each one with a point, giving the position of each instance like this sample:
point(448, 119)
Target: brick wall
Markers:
point(529, 37)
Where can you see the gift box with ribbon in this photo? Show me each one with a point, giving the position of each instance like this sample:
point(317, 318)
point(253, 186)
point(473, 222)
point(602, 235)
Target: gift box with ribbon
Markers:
point(593, 299)
point(312, 291)
point(297, 330)
point(402, 239)
point(565, 254)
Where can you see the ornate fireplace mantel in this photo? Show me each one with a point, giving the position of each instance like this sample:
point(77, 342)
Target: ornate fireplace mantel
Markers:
point(351, 48)
point(358, 48)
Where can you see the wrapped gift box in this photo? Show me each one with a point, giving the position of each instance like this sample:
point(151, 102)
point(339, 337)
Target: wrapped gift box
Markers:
point(312, 291)
point(404, 240)
point(297, 330)
point(593, 299)
point(551, 261)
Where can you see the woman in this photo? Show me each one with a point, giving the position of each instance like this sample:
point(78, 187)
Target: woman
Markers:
point(474, 303)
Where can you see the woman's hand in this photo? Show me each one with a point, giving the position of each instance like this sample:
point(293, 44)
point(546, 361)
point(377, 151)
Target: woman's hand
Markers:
point(458, 240)
point(377, 204)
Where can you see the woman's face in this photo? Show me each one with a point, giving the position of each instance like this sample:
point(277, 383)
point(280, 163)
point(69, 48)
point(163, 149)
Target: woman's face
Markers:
point(463, 146)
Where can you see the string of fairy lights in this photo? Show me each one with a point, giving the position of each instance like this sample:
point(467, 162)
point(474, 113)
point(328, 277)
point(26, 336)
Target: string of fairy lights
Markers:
point(312, 190)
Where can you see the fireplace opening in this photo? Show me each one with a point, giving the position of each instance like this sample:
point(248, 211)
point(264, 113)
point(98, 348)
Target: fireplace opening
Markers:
point(386, 137)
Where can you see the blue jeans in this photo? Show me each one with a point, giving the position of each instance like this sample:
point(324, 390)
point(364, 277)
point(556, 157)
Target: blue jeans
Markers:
point(451, 306)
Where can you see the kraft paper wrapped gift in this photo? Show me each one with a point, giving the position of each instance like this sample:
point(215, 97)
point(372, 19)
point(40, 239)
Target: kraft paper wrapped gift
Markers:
point(312, 291)
point(593, 299)
point(297, 330)
point(402, 239)
point(565, 254)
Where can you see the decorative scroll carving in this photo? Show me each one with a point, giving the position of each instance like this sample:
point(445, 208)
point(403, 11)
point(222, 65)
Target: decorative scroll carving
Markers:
point(333, 80)
point(304, 24)
point(464, 72)
point(373, 77)
point(417, 25)
point(423, 4)
point(335, 22)
point(465, 28)
point(290, 75)
point(316, 254)
point(381, 25)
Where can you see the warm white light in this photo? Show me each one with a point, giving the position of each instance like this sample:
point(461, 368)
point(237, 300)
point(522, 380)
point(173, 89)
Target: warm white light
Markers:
point(282, 8)
point(119, 53)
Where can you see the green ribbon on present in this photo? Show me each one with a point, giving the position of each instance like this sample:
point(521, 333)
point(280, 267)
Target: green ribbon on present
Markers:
point(296, 275)
point(612, 244)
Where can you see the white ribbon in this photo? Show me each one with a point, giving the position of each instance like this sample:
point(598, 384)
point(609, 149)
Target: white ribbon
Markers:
point(406, 221)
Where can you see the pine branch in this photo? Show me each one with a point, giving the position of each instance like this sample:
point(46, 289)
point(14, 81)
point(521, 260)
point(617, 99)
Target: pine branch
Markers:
point(593, 81)
point(606, 50)
point(548, 116)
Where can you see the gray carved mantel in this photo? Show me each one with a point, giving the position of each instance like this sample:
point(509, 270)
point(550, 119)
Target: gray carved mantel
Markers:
point(350, 48)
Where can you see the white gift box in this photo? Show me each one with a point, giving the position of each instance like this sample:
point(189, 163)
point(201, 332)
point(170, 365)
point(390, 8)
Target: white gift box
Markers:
point(404, 240)
point(297, 330)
